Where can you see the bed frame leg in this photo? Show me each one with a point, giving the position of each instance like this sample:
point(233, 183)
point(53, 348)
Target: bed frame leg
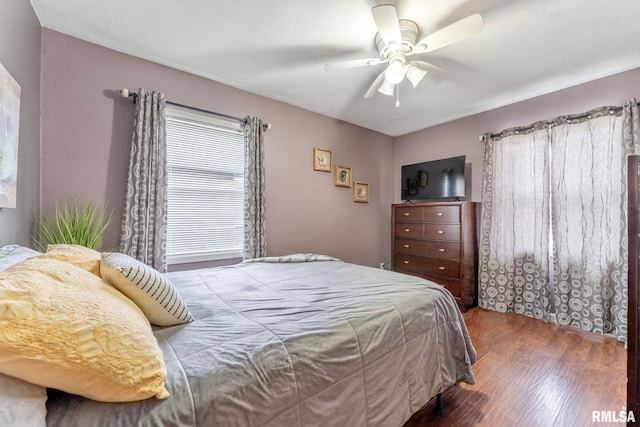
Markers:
point(438, 408)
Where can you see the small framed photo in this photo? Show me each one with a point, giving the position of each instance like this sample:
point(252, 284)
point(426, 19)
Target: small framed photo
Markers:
point(342, 176)
point(361, 192)
point(321, 159)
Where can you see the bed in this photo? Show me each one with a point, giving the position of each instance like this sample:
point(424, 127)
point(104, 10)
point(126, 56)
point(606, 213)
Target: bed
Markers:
point(295, 341)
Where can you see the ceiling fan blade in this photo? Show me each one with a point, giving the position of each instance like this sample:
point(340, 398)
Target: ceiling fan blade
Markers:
point(434, 74)
point(450, 34)
point(356, 63)
point(386, 19)
point(373, 89)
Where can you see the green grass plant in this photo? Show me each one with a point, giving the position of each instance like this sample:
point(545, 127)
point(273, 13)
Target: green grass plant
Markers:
point(72, 222)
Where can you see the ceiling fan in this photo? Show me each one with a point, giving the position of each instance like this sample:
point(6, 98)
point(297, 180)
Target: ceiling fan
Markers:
point(396, 40)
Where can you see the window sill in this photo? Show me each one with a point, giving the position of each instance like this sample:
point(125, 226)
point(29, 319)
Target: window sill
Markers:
point(203, 264)
point(204, 257)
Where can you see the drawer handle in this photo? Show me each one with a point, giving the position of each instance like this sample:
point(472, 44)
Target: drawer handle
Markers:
point(407, 230)
point(406, 262)
point(441, 250)
point(406, 246)
point(407, 214)
point(441, 268)
point(440, 213)
point(440, 232)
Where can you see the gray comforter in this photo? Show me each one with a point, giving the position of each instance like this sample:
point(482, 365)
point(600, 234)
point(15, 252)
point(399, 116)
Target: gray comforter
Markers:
point(321, 343)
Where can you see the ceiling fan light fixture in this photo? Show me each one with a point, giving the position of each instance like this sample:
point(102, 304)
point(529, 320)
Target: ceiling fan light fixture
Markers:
point(415, 75)
point(395, 72)
point(397, 39)
point(387, 88)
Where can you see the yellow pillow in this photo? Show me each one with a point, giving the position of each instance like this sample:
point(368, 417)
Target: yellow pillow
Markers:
point(63, 327)
point(80, 256)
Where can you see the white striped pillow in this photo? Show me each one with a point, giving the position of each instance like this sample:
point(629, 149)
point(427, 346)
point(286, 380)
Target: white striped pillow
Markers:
point(149, 289)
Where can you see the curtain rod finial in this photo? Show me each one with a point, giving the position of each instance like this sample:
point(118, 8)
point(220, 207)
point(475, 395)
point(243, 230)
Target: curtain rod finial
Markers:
point(125, 92)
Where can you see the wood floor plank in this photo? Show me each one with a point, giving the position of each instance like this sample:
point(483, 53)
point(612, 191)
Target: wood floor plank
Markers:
point(533, 373)
point(545, 402)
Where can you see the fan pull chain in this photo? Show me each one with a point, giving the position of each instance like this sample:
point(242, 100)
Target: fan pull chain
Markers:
point(397, 96)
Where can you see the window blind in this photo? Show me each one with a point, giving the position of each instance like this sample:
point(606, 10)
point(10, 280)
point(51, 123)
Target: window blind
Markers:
point(205, 158)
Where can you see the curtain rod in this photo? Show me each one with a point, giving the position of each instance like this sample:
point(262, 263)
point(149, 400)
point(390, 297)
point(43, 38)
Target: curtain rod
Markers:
point(612, 110)
point(128, 94)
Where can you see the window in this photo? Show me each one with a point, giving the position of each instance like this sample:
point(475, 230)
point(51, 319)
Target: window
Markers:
point(205, 160)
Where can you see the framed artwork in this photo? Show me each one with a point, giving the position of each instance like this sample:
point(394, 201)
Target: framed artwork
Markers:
point(321, 159)
point(361, 192)
point(9, 126)
point(342, 176)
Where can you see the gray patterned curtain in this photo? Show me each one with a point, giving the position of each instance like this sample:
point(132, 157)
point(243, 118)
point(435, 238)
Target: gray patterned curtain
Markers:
point(576, 172)
point(589, 217)
point(255, 237)
point(144, 222)
point(514, 232)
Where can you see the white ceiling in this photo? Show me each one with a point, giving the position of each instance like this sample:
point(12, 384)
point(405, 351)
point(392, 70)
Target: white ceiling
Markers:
point(278, 49)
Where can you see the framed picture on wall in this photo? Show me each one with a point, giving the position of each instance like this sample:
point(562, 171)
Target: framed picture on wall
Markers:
point(9, 125)
point(342, 176)
point(361, 192)
point(321, 159)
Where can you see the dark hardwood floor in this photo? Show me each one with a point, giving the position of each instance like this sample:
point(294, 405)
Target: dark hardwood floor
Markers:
point(532, 373)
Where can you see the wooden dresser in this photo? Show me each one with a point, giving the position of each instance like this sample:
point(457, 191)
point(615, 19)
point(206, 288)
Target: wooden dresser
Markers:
point(437, 241)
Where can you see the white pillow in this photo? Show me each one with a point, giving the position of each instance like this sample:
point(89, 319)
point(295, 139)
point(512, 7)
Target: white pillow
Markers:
point(22, 403)
point(149, 289)
point(13, 254)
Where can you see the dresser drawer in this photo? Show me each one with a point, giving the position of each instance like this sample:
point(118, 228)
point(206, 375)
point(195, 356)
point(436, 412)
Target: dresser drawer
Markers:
point(453, 286)
point(450, 214)
point(409, 230)
point(409, 214)
point(446, 232)
point(431, 266)
point(448, 250)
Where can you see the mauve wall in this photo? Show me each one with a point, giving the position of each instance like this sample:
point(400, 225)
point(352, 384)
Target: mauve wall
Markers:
point(20, 55)
point(461, 136)
point(86, 133)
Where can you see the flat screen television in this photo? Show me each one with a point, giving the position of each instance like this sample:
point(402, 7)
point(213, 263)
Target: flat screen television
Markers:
point(434, 180)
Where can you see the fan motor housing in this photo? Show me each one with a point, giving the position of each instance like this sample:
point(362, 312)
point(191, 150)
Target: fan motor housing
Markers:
point(409, 34)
